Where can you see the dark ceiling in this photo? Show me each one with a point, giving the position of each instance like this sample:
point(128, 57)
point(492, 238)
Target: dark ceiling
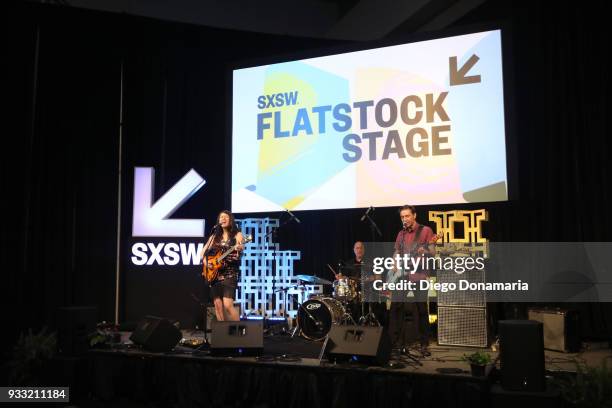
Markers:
point(332, 19)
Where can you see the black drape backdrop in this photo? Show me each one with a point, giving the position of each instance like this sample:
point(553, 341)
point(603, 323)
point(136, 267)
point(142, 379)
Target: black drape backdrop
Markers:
point(59, 177)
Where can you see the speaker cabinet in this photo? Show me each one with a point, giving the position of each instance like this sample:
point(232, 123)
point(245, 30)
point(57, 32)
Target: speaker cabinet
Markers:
point(560, 328)
point(521, 345)
point(75, 324)
point(463, 326)
point(242, 338)
point(156, 334)
point(370, 345)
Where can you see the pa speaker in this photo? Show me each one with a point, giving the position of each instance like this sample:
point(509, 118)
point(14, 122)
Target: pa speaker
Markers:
point(560, 328)
point(241, 338)
point(521, 344)
point(370, 345)
point(75, 324)
point(156, 334)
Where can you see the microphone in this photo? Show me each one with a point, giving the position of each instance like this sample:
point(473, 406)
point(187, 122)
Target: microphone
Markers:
point(367, 213)
point(214, 228)
point(404, 225)
point(293, 216)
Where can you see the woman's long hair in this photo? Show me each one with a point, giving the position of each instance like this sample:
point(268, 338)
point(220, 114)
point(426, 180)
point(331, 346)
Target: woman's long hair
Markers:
point(233, 227)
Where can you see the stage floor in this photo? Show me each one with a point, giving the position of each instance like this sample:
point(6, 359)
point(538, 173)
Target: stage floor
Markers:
point(442, 358)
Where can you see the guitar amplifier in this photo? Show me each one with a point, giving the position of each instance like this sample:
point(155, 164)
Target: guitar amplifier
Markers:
point(463, 326)
point(560, 328)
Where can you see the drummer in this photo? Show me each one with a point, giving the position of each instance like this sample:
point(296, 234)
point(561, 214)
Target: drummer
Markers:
point(353, 269)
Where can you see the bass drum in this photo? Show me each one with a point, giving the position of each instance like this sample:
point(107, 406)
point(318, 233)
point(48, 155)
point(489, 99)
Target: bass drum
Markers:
point(316, 316)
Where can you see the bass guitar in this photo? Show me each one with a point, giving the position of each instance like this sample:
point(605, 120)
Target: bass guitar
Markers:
point(395, 274)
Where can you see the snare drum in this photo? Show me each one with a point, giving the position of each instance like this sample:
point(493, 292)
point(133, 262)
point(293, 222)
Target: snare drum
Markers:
point(345, 289)
point(316, 316)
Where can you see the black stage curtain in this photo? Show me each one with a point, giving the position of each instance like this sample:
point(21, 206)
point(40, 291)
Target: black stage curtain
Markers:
point(59, 176)
point(190, 382)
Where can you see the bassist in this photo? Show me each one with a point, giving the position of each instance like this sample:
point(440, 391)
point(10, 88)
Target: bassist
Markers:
point(416, 240)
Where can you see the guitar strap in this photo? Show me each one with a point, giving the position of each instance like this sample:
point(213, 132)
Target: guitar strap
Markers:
point(414, 242)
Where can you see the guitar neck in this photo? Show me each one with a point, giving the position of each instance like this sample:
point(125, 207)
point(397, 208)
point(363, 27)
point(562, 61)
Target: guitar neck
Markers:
point(226, 253)
point(248, 239)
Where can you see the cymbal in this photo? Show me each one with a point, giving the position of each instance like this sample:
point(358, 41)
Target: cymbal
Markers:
point(315, 280)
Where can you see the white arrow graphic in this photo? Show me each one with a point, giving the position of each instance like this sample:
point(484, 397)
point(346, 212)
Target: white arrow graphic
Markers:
point(151, 220)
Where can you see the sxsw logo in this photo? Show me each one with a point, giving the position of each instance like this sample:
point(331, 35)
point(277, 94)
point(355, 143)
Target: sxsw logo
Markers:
point(152, 219)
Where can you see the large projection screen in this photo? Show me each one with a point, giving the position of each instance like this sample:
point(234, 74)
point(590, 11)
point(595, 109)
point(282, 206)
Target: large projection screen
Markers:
point(419, 123)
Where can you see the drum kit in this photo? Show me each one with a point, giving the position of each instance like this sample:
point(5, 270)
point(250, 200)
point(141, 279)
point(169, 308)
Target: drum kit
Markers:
point(316, 315)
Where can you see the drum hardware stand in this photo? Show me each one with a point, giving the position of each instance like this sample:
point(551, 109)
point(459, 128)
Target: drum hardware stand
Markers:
point(346, 317)
point(285, 290)
point(297, 325)
point(369, 319)
point(295, 330)
point(322, 352)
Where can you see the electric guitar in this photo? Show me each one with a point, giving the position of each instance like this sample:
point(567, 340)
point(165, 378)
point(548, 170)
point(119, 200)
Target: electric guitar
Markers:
point(212, 263)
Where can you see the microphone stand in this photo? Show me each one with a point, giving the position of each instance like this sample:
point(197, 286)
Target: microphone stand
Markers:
point(371, 317)
point(405, 351)
point(204, 307)
point(204, 311)
point(373, 227)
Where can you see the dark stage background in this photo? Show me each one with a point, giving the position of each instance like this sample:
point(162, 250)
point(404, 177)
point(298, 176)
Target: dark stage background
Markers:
point(59, 177)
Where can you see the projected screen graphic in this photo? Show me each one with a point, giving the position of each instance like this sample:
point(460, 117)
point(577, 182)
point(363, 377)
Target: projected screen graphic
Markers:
point(419, 123)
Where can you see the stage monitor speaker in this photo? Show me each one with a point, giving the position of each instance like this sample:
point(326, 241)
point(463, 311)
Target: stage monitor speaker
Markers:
point(75, 324)
point(156, 334)
point(369, 345)
point(521, 345)
point(242, 338)
point(560, 328)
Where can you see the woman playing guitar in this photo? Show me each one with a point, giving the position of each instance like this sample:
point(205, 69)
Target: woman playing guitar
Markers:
point(223, 285)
